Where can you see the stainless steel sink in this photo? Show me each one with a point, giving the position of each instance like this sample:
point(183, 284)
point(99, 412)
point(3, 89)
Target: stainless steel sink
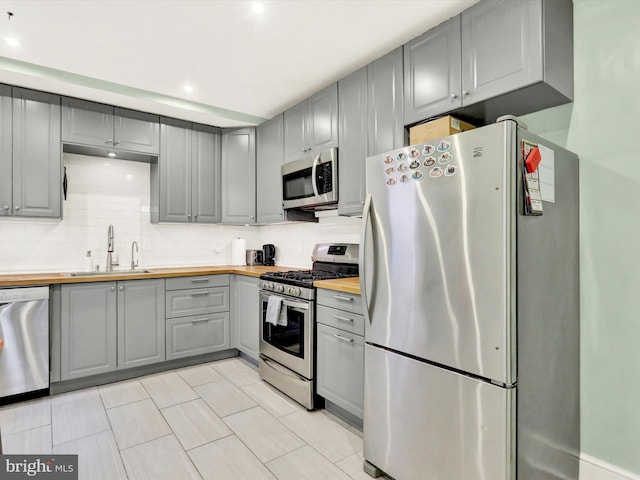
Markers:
point(103, 273)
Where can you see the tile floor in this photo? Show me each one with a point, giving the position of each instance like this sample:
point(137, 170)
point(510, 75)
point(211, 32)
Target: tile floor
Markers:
point(213, 421)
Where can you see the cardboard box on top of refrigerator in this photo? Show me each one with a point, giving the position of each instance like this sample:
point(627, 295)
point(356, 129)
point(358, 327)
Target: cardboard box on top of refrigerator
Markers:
point(441, 127)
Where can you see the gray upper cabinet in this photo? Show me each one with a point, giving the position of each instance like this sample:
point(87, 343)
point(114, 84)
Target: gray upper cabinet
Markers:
point(352, 94)
point(98, 125)
point(174, 166)
point(386, 103)
point(206, 173)
point(239, 175)
point(37, 154)
point(88, 329)
point(312, 125)
point(370, 122)
point(515, 57)
point(6, 159)
point(269, 159)
point(432, 72)
point(187, 174)
point(141, 322)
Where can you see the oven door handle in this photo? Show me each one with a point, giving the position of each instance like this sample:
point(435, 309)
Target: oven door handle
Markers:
point(314, 167)
point(299, 305)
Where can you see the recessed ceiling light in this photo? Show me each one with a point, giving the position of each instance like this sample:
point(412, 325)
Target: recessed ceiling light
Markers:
point(112, 154)
point(188, 88)
point(12, 42)
point(257, 7)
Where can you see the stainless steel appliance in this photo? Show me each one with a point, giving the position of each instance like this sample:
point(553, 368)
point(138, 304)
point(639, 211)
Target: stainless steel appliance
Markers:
point(24, 340)
point(287, 347)
point(254, 257)
point(268, 254)
point(311, 183)
point(472, 309)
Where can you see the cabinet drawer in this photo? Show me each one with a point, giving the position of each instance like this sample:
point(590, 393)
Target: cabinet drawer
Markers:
point(197, 301)
point(344, 301)
point(196, 335)
point(184, 283)
point(348, 321)
point(340, 368)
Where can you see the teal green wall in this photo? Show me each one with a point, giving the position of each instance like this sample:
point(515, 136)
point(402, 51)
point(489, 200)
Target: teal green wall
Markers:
point(603, 127)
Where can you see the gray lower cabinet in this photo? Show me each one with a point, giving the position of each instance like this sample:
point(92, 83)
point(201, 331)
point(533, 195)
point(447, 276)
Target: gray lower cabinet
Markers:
point(186, 179)
point(239, 175)
point(197, 315)
point(88, 329)
point(497, 57)
point(111, 325)
point(37, 156)
point(269, 159)
point(105, 126)
point(312, 125)
point(6, 160)
point(246, 314)
point(141, 322)
point(340, 356)
point(370, 122)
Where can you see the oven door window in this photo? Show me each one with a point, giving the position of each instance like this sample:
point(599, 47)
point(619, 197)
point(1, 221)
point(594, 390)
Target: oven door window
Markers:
point(288, 338)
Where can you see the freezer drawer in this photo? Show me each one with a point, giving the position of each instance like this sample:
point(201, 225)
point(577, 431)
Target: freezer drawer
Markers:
point(422, 422)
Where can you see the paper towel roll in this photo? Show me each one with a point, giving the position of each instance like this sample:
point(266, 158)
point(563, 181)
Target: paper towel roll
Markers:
point(238, 251)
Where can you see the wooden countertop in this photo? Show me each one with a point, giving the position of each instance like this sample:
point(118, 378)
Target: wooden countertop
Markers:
point(22, 279)
point(346, 285)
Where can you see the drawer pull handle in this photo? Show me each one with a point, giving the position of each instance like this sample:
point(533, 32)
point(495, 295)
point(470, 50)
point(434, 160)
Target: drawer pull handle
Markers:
point(343, 298)
point(198, 320)
point(344, 319)
point(200, 280)
point(198, 294)
point(344, 339)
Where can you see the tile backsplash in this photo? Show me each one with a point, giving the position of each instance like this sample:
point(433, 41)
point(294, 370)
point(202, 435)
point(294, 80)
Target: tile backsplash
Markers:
point(109, 191)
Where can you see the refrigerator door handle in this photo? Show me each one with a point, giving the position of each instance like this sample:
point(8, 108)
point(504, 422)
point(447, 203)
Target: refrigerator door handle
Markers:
point(366, 220)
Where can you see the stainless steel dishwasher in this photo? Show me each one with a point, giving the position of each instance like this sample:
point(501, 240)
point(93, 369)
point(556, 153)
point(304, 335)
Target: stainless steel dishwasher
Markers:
point(24, 340)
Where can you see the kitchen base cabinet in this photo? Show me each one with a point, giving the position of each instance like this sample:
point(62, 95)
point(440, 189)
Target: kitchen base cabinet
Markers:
point(197, 315)
point(340, 368)
point(246, 314)
point(88, 329)
point(141, 322)
point(188, 336)
point(340, 350)
point(111, 325)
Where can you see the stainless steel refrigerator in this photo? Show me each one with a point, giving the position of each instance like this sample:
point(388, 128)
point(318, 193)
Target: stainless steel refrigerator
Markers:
point(470, 280)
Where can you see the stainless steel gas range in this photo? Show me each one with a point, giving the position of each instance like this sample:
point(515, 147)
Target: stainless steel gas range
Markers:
point(287, 323)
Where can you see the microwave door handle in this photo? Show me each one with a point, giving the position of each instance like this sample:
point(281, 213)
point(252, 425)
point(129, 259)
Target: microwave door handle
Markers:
point(314, 167)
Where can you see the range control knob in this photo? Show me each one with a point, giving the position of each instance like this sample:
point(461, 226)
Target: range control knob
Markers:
point(279, 288)
point(293, 291)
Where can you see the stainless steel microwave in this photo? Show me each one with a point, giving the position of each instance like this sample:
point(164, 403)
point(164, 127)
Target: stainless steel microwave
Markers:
point(311, 183)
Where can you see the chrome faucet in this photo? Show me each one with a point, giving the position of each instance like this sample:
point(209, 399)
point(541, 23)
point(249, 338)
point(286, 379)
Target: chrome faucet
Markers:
point(110, 244)
point(134, 264)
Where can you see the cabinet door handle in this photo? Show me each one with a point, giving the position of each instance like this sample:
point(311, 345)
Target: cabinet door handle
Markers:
point(465, 93)
point(198, 320)
point(454, 96)
point(109, 141)
point(121, 288)
point(344, 319)
point(188, 217)
point(343, 298)
point(200, 280)
point(113, 289)
point(17, 208)
point(344, 339)
point(198, 294)
point(117, 142)
point(6, 207)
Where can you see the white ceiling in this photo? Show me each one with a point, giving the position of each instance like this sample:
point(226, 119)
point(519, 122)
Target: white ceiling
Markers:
point(243, 66)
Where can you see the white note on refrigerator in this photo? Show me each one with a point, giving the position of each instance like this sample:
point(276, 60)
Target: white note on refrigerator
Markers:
point(547, 174)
